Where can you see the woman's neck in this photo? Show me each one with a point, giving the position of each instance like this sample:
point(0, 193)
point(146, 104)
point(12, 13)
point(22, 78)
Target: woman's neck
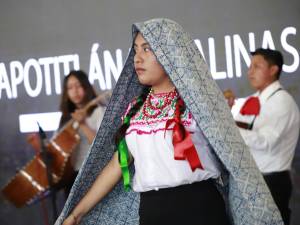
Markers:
point(79, 106)
point(163, 89)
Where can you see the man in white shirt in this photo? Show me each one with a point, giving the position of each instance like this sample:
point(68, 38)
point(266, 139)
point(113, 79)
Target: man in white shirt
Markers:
point(269, 125)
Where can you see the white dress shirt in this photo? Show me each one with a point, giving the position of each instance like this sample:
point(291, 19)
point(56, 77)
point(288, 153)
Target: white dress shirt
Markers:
point(273, 138)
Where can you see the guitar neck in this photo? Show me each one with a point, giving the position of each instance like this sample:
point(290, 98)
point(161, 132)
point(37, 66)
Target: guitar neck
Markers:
point(101, 99)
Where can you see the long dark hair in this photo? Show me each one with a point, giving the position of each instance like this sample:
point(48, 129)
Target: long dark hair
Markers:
point(120, 133)
point(66, 105)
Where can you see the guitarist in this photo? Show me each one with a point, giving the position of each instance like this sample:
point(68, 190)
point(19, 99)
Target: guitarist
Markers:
point(77, 92)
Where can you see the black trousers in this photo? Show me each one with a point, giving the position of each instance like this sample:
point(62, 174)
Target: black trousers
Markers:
point(280, 185)
point(193, 204)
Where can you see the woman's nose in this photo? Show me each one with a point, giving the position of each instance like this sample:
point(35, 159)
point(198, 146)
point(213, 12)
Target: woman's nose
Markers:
point(138, 58)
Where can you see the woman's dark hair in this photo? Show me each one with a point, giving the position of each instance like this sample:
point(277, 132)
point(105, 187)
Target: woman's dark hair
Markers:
point(66, 106)
point(122, 129)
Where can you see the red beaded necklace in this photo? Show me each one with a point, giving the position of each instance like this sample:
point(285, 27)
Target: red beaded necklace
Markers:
point(167, 100)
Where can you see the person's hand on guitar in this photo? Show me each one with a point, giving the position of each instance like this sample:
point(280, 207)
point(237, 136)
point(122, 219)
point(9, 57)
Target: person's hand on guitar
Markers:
point(230, 97)
point(79, 115)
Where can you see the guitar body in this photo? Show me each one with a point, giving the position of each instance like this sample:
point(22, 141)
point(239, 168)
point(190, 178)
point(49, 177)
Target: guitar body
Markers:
point(31, 182)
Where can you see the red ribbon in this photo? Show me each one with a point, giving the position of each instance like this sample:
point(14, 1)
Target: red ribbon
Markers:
point(184, 148)
point(251, 106)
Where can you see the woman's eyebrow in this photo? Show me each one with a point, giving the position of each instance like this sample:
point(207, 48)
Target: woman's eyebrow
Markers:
point(143, 45)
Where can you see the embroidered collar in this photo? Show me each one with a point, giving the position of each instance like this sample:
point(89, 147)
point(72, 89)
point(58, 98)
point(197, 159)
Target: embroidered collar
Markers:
point(158, 105)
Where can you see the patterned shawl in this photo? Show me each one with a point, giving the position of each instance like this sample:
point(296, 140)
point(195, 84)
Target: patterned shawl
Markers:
point(247, 196)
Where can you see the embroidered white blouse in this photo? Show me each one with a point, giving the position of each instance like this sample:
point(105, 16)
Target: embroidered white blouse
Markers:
point(153, 152)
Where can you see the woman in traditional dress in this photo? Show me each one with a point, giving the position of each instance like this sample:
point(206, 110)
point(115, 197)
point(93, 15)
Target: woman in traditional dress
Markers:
point(170, 121)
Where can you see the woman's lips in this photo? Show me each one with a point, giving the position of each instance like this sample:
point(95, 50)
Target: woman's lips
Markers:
point(77, 98)
point(140, 70)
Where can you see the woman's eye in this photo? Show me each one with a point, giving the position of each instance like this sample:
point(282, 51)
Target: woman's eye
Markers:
point(147, 49)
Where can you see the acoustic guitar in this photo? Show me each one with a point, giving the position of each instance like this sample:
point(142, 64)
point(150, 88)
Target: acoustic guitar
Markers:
point(31, 183)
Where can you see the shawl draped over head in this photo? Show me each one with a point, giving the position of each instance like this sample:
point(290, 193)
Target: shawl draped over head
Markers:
point(247, 196)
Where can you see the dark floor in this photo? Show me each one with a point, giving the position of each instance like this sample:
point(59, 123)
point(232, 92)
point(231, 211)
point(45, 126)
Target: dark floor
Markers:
point(37, 214)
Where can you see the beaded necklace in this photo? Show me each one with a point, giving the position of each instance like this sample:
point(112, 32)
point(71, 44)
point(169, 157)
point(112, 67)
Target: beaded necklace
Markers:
point(152, 111)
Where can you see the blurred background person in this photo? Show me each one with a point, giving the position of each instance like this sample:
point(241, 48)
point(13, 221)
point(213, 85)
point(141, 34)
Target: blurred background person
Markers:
point(77, 92)
point(269, 124)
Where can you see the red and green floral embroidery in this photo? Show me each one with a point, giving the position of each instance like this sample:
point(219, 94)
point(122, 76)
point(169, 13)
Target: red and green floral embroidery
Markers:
point(154, 113)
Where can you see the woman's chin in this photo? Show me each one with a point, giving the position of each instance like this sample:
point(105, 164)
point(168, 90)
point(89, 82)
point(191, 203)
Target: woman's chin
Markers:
point(144, 82)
